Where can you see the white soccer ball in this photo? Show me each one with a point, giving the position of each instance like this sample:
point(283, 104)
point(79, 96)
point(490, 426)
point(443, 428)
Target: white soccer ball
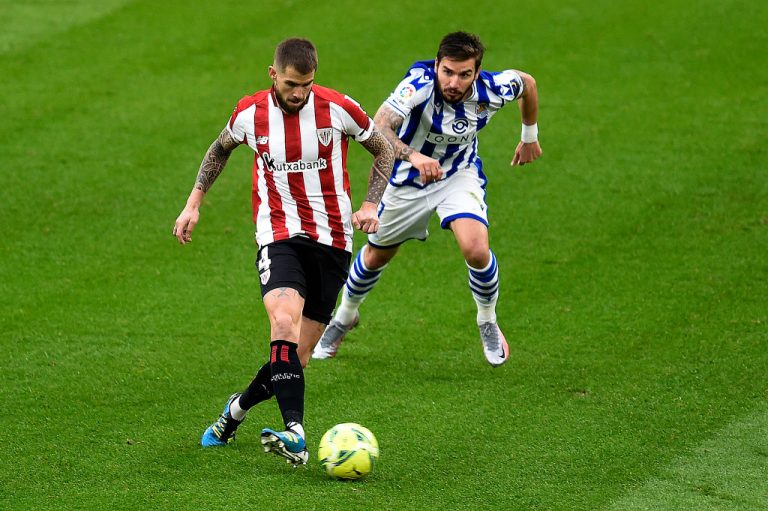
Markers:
point(348, 451)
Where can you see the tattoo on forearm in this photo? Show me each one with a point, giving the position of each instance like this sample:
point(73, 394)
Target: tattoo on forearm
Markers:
point(404, 152)
point(388, 122)
point(383, 160)
point(214, 161)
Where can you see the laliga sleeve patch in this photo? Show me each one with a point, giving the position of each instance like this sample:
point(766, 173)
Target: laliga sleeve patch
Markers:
point(403, 95)
point(406, 92)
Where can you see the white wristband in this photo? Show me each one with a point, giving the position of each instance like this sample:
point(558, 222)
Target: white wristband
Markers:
point(530, 133)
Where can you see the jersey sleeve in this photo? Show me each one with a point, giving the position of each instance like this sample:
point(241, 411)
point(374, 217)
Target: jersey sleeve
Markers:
point(506, 84)
point(411, 90)
point(356, 122)
point(238, 121)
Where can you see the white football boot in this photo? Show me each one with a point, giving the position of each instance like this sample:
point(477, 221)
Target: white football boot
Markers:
point(329, 343)
point(495, 344)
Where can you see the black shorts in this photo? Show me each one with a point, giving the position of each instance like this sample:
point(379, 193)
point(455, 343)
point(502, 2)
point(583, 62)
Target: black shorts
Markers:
point(316, 271)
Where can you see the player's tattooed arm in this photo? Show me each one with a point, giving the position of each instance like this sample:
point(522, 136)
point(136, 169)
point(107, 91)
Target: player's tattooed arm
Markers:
point(383, 160)
point(388, 121)
point(213, 163)
point(214, 160)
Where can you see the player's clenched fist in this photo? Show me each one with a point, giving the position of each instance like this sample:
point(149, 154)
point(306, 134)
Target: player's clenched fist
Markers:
point(526, 153)
point(429, 168)
point(366, 219)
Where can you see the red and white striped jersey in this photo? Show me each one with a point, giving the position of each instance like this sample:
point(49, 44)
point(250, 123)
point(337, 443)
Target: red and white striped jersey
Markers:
point(300, 180)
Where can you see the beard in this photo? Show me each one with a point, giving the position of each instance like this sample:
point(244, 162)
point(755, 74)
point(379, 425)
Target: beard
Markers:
point(290, 108)
point(453, 95)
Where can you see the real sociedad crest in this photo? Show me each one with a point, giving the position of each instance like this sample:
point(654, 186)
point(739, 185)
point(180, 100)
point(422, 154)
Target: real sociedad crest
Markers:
point(325, 135)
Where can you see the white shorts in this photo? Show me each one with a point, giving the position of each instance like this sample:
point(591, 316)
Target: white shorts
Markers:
point(405, 211)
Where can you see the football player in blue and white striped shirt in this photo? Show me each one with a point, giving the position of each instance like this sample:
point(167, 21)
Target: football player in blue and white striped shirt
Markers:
point(432, 119)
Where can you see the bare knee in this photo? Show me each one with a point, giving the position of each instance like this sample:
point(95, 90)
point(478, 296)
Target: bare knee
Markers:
point(375, 258)
point(477, 255)
point(472, 238)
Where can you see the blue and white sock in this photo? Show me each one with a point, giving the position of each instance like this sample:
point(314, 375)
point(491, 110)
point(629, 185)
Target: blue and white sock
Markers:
point(484, 284)
point(360, 282)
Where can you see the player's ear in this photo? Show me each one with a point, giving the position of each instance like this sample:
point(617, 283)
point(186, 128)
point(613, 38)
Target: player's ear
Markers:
point(272, 73)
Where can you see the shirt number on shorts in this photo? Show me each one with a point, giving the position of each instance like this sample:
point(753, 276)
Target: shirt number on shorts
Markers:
point(264, 263)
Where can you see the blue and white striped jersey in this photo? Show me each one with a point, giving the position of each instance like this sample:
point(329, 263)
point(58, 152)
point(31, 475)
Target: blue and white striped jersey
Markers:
point(441, 130)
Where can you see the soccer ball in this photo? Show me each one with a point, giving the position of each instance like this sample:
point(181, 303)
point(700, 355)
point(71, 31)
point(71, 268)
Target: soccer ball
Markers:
point(348, 451)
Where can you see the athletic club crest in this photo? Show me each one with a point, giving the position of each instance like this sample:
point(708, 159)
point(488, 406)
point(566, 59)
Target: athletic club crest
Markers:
point(325, 135)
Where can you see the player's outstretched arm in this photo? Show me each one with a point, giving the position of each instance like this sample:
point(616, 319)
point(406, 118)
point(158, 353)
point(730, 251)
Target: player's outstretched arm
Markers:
point(366, 218)
point(388, 121)
point(213, 163)
point(528, 149)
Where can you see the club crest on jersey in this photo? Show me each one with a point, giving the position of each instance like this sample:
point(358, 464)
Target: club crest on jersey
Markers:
point(325, 135)
point(482, 110)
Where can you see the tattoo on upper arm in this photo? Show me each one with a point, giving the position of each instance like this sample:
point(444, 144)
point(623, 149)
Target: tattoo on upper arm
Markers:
point(214, 160)
point(383, 160)
point(389, 121)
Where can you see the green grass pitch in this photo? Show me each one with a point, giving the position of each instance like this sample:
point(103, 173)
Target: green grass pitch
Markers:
point(633, 262)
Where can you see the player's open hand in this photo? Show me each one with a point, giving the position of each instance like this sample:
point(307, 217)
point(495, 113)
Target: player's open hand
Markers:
point(526, 153)
point(365, 218)
point(429, 168)
point(187, 221)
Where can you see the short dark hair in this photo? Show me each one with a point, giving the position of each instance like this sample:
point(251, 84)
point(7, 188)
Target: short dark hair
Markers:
point(297, 53)
point(461, 46)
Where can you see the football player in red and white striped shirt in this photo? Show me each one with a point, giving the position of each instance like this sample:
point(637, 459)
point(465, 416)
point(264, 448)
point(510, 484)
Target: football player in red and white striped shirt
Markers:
point(299, 132)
